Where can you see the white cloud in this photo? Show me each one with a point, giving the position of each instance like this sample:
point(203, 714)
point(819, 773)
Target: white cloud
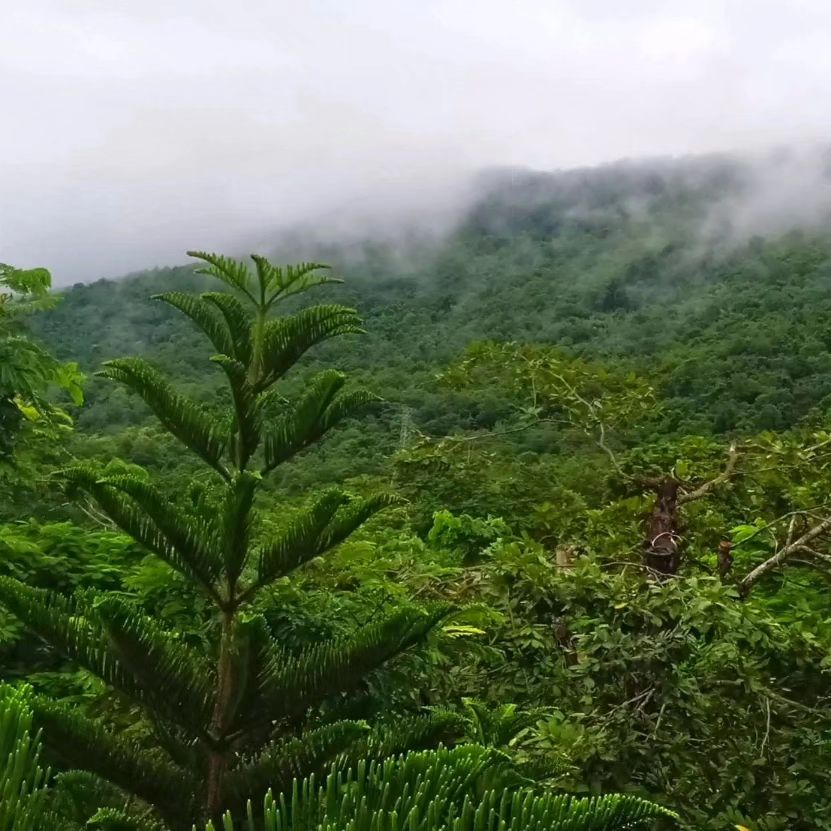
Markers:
point(134, 130)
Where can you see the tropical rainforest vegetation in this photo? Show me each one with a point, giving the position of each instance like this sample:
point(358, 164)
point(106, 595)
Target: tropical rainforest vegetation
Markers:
point(538, 537)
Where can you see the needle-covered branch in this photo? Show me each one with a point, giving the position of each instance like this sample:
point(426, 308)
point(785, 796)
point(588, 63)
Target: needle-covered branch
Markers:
point(236, 715)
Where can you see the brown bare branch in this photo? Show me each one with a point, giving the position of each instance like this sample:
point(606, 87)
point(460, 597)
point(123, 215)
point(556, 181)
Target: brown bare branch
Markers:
point(823, 558)
point(783, 554)
point(707, 487)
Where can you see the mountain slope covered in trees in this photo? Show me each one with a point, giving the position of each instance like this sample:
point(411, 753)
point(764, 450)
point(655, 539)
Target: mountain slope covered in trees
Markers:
point(622, 264)
point(603, 409)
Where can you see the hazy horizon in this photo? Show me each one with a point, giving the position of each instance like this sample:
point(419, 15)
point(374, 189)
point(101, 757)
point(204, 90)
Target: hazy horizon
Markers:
point(136, 132)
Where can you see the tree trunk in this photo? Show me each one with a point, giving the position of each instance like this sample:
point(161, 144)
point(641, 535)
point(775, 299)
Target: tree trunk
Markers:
point(661, 545)
point(218, 758)
point(725, 558)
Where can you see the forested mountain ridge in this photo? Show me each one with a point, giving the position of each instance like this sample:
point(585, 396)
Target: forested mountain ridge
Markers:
point(604, 417)
point(620, 263)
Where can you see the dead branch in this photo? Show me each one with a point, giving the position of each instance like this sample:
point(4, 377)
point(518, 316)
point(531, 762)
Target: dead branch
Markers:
point(97, 516)
point(702, 490)
point(816, 447)
point(791, 526)
point(802, 512)
point(641, 699)
point(782, 555)
point(564, 555)
point(767, 728)
point(662, 544)
point(663, 540)
point(824, 558)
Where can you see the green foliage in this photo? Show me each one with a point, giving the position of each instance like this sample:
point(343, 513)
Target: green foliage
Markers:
point(645, 683)
point(26, 370)
point(537, 259)
point(225, 713)
point(464, 533)
point(469, 787)
point(621, 684)
point(551, 386)
point(22, 780)
point(571, 338)
point(29, 376)
point(61, 557)
point(466, 788)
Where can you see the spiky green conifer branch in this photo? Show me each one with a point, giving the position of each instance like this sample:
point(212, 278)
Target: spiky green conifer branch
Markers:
point(223, 721)
point(285, 761)
point(82, 742)
point(331, 519)
point(321, 407)
point(292, 684)
point(143, 512)
point(187, 421)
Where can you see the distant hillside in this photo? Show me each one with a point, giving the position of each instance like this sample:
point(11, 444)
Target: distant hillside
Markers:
point(635, 264)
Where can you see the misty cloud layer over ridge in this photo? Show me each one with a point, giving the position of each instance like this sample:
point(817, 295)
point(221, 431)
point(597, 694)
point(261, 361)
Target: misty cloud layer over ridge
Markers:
point(135, 131)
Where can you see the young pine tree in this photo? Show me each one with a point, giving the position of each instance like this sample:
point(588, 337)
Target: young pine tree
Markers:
point(235, 722)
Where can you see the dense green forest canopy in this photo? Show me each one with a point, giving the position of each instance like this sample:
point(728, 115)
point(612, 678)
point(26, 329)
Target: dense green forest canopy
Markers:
point(604, 412)
point(620, 264)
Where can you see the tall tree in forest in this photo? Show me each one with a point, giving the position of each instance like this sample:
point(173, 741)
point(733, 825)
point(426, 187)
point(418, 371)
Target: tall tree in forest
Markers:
point(247, 715)
point(27, 371)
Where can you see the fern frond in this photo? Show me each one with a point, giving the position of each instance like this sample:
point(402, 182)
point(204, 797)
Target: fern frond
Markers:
point(286, 761)
point(319, 409)
point(291, 684)
point(326, 524)
point(84, 743)
point(286, 339)
point(183, 418)
point(205, 315)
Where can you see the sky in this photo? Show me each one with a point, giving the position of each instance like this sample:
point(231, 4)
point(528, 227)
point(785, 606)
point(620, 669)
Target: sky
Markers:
point(133, 130)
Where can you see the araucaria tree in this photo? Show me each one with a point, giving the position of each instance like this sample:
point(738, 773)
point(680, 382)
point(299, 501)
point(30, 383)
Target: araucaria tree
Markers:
point(246, 715)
